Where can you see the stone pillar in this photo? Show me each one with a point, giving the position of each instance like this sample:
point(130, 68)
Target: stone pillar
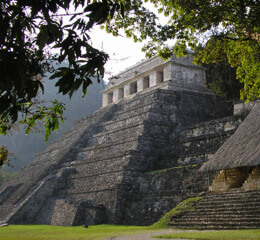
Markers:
point(104, 99)
point(115, 94)
point(120, 93)
point(127, 89)
point(140, 85)
point(146, 82)
point(152, 79)
point(167, 72)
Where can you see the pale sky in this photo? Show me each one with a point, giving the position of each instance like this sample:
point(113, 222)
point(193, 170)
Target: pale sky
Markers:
point(123, 52)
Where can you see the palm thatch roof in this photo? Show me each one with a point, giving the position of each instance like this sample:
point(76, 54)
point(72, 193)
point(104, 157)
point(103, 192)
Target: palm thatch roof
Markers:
point(242, 148)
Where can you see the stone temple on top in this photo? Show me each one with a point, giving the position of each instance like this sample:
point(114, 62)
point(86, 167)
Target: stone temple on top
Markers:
point(132, 160)
point(173, 74)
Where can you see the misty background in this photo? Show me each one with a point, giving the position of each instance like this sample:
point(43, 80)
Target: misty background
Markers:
point(24, 147)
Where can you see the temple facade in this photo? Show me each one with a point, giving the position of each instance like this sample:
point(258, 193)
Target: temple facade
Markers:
point(173, 74)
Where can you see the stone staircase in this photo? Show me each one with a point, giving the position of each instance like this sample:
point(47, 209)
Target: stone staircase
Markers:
point(44, 163)
point(230, 210)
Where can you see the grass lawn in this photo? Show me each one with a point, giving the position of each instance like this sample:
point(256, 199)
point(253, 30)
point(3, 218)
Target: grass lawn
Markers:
point(216, 235)
point(44, 232)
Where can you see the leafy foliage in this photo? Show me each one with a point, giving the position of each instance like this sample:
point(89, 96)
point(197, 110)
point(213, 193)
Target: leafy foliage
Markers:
point(221, 78)
point(29, 29)
point(49, 115)
point(3, 155)
point(217, 31)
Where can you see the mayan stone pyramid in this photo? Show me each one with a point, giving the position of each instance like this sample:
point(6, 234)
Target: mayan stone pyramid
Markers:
point(132, 160)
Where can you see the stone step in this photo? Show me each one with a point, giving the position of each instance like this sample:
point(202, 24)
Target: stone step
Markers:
point(217, 225)
point(230, 202)
point(123, 116)
point(172, 160)
point(229, 207)
point(95, 117)
point(128, 129)
point(119, 120)
point(61, 154)
point(136, 128)
point(205, 145)
point(115, 162)
point(93, 183)
point(217, 220)
point(212, 127)
point(149, 97)
point(231, 195)
point(133, 130)
point(227, 214)
point(12, 200)
point(193, 159)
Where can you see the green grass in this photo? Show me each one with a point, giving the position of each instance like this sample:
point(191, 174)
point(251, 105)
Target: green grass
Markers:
point(184, 206)
point(44, 232)
point(215, 235)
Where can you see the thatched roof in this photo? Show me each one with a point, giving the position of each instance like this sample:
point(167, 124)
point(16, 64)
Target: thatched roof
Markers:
point(242, 148)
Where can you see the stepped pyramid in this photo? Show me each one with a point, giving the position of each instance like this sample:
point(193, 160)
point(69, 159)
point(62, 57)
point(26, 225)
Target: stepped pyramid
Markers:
point(132, 160)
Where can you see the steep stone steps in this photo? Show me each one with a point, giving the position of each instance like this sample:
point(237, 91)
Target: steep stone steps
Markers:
point(231, 210)
point(116, 161)
point(211, 225)
point(94, 183)
point(232, 214)
point(114, 126)
point(109, 148)
point(231, 206)
point(146, 116)
point(4, 211)
point(13, 200)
